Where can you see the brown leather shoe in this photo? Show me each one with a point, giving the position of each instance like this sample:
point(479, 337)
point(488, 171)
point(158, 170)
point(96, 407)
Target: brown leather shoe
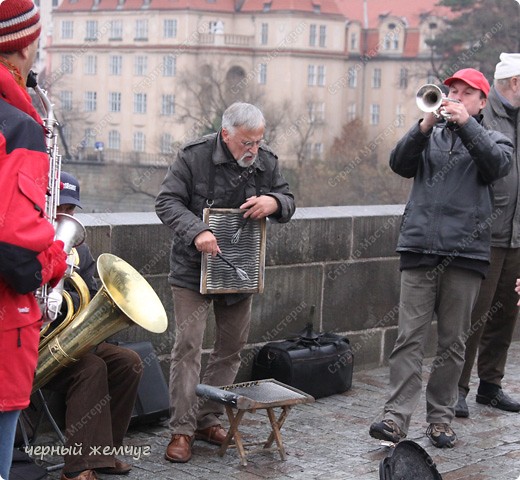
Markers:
point(215, 434)
point(85, 475)
point(120, 468)
point(179, 448)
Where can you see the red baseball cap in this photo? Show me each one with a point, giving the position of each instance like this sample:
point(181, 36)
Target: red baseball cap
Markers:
point(472, 77)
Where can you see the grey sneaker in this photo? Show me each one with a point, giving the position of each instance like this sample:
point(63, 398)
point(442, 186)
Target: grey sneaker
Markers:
point(386, 430)
point(441, 435)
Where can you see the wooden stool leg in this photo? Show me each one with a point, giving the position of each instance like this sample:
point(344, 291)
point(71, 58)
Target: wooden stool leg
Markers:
point(276, 424)
point(280, 422)
point(234, 422)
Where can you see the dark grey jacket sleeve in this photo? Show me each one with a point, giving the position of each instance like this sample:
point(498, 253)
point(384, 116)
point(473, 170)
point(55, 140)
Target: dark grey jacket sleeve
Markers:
point(171, 204)
point(407, 154)
point(281, 192)
point(491, 151)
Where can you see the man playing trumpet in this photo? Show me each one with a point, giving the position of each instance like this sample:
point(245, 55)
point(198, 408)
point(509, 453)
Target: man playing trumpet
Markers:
point(444, 245)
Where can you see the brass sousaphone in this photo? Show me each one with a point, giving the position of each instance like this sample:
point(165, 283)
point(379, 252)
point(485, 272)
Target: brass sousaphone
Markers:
point(125, 299)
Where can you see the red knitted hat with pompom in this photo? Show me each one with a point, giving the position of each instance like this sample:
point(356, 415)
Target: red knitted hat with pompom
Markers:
point(19, 24)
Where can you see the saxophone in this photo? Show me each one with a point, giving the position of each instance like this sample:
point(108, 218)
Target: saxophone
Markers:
point(125, 299)
point(67, 228)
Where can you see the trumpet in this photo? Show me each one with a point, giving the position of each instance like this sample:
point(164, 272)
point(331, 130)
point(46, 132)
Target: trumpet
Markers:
point(429, 99)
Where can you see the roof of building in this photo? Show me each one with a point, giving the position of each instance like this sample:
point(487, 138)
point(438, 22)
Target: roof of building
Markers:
point(224, 6)
point(367, 12)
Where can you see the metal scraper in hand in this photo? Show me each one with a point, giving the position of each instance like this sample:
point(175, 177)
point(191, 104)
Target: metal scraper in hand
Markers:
point(241, 273)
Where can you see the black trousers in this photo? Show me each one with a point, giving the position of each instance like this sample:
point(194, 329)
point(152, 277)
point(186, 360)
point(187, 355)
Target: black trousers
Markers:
point(493, 319)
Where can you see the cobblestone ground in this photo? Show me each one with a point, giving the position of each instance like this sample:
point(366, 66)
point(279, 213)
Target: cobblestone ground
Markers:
point(329, 440)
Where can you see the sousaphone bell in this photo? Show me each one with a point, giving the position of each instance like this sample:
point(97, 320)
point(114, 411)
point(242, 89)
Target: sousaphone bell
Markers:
point(125, 299)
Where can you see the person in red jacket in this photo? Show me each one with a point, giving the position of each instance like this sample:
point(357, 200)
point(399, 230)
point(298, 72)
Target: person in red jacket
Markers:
point(29, 255)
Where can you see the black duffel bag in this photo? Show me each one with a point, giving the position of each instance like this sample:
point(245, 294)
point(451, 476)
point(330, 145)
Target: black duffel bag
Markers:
point(320, 364)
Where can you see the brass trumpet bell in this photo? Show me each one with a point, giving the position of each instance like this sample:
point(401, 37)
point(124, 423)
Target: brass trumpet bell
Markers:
point(125, 299)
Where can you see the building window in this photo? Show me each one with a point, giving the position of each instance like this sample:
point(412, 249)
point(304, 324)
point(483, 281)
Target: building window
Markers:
point(89, 139)
point(169, 66)
point(66, 100)
point(374, 114)
point(170, 28)
point(311, 75)
point(166, 144)
point(139, 102)
point(115, 65)
point(116, 30)
point(90, 65)
point(140, 65)
point(216, 27)
point(376, 78)
point(316, 75)
point(264, 34)
point(391, 39)
point(114, 101)
point(399, 116)
point(319, 111)
point(168, 105)
point(141, 30)
point(318, 150)
point(91, 32)
point(67, 29)
point(316, 111)
point(262, 73)
point(354, 41)
point(403, 78)
point(139, 142)
point(323, 35)
point(352, 77)
point(114, 140)
point(90, 101)
point(321, 75)
point(67, 62)
point(351, 112)
point(312, 35)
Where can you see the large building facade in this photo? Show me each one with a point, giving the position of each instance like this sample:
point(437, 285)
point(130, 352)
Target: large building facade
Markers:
point(132, 79)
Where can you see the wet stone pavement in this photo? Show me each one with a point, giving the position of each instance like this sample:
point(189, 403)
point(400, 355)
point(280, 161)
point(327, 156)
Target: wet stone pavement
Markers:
point(329, 440)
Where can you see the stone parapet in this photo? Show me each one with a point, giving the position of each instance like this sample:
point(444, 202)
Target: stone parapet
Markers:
point(334, 266)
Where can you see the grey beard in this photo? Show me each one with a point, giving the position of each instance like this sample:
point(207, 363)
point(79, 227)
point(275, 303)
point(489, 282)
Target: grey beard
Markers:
point(246, 163)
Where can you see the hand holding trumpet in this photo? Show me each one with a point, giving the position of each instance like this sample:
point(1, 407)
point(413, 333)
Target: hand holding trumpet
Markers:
point(431, 100)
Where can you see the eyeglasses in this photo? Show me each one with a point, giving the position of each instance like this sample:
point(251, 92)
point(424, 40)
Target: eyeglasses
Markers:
point(251, 143)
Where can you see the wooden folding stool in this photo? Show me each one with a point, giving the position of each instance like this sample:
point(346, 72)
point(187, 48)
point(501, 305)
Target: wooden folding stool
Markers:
point(249, 397)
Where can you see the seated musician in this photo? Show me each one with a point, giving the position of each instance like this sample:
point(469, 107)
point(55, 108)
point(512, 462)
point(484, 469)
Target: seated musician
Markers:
point(100, 388)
